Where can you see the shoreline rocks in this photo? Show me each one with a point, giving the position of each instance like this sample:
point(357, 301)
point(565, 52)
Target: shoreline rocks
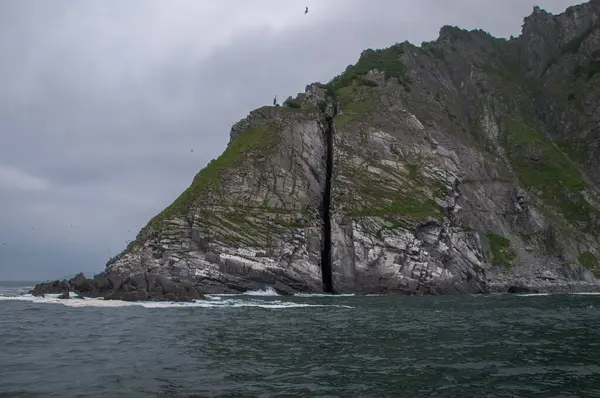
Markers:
point(136, 287)
point(152, 287)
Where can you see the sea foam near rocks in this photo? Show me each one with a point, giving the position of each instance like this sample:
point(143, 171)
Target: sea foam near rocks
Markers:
point(210, 302)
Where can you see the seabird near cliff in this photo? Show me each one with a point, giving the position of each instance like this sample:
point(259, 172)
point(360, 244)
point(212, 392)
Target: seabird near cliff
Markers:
point(306, 11)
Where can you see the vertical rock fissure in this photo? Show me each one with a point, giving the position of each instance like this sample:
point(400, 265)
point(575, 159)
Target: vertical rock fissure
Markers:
point(326, 270)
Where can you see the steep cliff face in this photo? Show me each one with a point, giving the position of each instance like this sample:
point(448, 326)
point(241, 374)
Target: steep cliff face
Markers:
point(253, 216)
point(562, 53)
point(467, 165)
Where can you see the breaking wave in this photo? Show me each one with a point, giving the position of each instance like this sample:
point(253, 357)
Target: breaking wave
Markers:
point(11, 291)
point(269, 291)
point(214, 301)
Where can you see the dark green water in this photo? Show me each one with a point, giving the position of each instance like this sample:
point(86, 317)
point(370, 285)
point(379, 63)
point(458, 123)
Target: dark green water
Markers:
point(495, 346)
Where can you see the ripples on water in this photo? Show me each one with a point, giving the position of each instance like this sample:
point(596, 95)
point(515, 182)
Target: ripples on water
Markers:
point(266, 346)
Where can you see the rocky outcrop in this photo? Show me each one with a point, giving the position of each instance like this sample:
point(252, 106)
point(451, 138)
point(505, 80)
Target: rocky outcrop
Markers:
point(467, 165)
point(138, 287)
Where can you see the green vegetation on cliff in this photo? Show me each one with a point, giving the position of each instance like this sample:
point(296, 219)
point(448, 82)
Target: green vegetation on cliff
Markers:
point(502, 254)
point(590, 261)
point(385, 60)
point(353, 111)
point(249, 144)
point(541, 165)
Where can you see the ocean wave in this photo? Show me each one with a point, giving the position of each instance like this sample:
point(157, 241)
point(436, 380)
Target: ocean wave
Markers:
point(13, 291)
point(269, 291)
point(211, 302)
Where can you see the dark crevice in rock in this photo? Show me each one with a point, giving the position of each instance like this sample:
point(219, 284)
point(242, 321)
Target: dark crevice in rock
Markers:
point(326, 270)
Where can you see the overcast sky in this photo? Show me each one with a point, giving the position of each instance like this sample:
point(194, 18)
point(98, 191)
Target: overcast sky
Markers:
point(101, 101)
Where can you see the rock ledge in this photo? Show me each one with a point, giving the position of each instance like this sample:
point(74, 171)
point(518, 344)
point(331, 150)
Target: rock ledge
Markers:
point(136, 287)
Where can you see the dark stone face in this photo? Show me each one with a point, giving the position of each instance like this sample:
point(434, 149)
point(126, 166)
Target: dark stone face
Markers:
point(137, 287)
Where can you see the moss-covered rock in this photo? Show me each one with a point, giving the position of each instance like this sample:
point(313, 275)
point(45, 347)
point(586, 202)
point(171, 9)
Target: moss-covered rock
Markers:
point(590, 262)
point(502, 253)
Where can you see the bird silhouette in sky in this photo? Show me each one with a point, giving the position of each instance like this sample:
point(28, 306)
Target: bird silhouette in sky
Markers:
point(306, 11)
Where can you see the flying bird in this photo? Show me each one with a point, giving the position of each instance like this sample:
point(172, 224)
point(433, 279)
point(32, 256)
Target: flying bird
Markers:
point(306, 11)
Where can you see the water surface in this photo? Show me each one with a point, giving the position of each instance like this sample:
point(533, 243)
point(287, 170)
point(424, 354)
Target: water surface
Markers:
point(268, 346)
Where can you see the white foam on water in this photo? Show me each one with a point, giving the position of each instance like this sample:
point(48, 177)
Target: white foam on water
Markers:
point(53, 299)
point(269, 291)
point(323, 295)
point(211, 302)
point(532, 294)
point(571, 294)
point(586, 294)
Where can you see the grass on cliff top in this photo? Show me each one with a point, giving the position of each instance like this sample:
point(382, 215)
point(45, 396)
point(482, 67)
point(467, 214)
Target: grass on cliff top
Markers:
point(352, 111)
point(352, 83)
point(385, 60)
point(210, 178)
point(542, 166)
point(590, 262)
point(354, 101)
point(502, 254)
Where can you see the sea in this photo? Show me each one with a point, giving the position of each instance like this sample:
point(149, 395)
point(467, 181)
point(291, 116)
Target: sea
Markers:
point(260, 344)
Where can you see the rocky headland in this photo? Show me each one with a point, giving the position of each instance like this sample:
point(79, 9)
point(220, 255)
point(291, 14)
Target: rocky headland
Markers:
point(467, 165)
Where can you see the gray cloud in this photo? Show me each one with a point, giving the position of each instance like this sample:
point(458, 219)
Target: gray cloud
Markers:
point(101, 102)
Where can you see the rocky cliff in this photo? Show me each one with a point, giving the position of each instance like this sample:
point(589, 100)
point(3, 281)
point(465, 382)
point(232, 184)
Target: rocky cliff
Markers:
point(467, 165)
